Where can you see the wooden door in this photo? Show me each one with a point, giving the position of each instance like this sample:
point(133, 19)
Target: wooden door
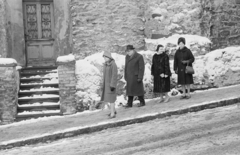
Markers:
point(38, 20)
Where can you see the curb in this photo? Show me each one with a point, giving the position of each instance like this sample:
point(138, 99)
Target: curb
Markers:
point(99, 127)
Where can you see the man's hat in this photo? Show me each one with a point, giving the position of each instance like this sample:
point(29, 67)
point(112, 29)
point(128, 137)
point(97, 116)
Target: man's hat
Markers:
point(129, 47)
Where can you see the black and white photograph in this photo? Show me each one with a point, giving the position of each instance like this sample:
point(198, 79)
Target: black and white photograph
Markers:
point(119, 77)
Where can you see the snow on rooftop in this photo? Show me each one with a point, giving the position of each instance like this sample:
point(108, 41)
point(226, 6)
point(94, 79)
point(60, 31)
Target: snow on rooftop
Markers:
point(66, 58)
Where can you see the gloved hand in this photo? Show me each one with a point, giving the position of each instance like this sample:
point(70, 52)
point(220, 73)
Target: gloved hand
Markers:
point(112, 88)
point(162, 75)
point(176, 71)
point(139, 80)
point(185, 61)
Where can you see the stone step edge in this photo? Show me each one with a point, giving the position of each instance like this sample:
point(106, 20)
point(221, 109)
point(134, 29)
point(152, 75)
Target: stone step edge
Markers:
point(102, 126)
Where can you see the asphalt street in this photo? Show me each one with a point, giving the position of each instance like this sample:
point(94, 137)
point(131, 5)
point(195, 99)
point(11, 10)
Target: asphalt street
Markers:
point(208, 132)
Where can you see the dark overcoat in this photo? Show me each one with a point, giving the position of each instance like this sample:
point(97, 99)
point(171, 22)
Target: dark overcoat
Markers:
point(109, 80)
point(134, 70)
point(160, 65)
point(186, 55)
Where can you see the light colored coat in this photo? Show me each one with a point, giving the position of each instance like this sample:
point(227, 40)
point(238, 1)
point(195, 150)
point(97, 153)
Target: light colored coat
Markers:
point(109, 80)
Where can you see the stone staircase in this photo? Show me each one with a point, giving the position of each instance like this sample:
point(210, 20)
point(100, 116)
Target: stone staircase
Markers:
point(39, 93)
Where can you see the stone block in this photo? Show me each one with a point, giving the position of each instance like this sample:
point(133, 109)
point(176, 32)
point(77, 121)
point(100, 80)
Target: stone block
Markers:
point(9, 93)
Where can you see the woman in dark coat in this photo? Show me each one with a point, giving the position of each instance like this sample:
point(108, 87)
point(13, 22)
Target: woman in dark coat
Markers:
point(182, 58)
point(109, 94)
point(161, 73)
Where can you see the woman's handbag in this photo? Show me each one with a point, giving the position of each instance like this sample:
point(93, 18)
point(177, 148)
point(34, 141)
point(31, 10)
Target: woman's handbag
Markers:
point(189, 69)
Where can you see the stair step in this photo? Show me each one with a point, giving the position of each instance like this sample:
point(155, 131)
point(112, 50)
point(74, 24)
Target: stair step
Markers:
point(35, 98)
point(40, 79)
point(29, 93)
point(24, 87)
point(22, 101)
point(24, 115)
point(35, 73)
point(39, 67)
point(39, 107)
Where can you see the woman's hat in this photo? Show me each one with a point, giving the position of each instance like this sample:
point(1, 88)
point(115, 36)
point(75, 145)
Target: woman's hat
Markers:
point(107, 54)
point(129, 47)
point(158, 46)
point(181, 39)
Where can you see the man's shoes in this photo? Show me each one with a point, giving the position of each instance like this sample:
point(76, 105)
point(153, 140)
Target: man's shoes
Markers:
point(111, 117)
point(114, 113)
point(141, 105)
point(127, 106)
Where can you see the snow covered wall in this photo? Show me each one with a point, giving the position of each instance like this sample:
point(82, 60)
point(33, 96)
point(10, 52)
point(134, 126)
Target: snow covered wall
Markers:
point(215, 69)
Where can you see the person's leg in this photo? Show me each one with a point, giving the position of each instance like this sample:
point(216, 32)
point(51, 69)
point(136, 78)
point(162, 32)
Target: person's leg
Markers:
point(161, 97)
point(188, 91)
point(184, 92)
point(167, 98)
point(112, 110)
point(142, 101)
point(130, 101)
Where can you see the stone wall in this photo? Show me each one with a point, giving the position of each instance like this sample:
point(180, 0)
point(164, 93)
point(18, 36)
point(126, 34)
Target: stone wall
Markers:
point(15, 31)
point(106, 25)
point(9, 86)
point(67, 86)
point(62, 34)
point(164, 18)
point(221, 22)
point(3, 33)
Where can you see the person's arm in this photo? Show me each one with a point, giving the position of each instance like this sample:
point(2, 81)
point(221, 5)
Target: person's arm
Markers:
point(175, 63)
point(113, 83)
point(152, 67)
point(125, 69)
point(167, 71)
point(141, 68)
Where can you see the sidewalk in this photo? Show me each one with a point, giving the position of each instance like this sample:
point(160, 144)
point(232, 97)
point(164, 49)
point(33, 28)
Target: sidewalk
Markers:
point(53, 128)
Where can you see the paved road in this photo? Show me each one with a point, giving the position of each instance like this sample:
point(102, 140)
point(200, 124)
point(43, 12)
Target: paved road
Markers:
point(209, 132)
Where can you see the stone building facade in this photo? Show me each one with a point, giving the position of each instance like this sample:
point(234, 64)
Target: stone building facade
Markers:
point(37, 32)
point(85, 27)
point(221, 22)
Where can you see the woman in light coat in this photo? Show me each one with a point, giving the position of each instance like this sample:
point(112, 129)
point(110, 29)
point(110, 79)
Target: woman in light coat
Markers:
point(109, 94)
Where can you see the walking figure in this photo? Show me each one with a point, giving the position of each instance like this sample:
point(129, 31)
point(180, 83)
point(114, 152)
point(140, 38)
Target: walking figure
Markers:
point(133, 74)
point(109, 94)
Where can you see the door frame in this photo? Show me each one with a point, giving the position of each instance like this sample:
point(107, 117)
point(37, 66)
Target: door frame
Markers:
point(52, 27)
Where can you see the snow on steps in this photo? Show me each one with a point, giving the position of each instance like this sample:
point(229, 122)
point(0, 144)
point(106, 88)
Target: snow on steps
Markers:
point(39, 93)
point(39, 106)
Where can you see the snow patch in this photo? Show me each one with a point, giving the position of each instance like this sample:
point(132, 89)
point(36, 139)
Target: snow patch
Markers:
point(190, 39)
point(39, 96)
point(66, 58)
point(7, 61)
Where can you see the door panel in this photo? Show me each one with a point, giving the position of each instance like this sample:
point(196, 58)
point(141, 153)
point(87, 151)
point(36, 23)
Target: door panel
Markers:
point(38, 19)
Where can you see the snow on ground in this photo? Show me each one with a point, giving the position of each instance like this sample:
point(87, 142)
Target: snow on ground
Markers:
point(66, 58)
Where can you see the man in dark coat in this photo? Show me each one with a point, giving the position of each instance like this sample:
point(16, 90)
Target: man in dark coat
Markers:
point(133, 74)
point(182, 58)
